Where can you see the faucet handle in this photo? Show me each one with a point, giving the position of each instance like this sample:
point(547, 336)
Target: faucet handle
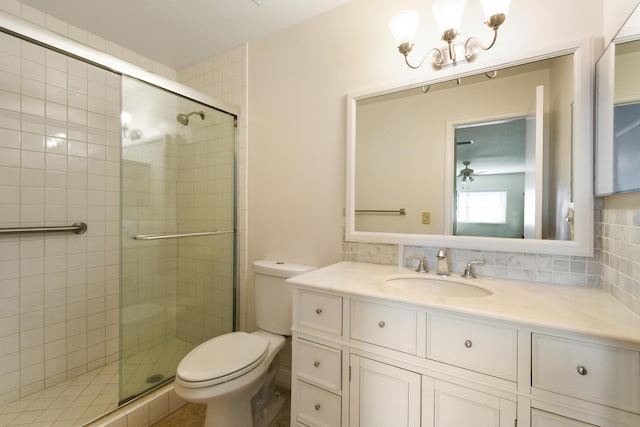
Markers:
point(422, 263)
point(468, 270)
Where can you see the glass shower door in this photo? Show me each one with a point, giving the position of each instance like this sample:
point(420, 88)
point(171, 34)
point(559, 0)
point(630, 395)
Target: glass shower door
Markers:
point(178, 231)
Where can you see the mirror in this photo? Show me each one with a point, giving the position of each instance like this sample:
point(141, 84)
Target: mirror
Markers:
point(487, 157)
point(618, 112)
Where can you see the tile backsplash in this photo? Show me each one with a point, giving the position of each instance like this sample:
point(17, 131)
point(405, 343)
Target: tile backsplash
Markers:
point(620, 234)
point(565, 270)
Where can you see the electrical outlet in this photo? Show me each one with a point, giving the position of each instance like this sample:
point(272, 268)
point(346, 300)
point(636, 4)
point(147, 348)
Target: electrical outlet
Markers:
point(426, 217)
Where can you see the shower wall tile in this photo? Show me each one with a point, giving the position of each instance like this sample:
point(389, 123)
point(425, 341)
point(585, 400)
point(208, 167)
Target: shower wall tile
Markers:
point(54, 287)
point(81, 35)
point(224, 77)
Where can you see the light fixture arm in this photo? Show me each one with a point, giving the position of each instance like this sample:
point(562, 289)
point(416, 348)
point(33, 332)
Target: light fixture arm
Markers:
point(494, 22)
point(405, 49)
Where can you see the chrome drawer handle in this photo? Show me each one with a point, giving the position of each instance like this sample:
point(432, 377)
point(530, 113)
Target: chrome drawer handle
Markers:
point(318, 311)
point(468, 343)
point(381, 324)
point(582, 370)
point(316, 363)
point(317, 407)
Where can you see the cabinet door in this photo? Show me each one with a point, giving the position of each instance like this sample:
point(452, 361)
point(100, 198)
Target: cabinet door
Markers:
point(382, 395)
point(547, 419)
point(449, 405)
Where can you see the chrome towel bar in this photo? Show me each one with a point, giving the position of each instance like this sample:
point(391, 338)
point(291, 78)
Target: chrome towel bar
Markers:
point(176, 235)
point(401, 211)
point(77, 228)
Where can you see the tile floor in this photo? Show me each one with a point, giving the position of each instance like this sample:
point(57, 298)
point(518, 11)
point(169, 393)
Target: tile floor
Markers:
point(192, 414)
point(88, 396)
point(72, 403)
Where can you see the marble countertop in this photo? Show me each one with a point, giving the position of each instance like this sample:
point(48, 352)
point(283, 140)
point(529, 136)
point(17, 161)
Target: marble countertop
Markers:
point(573, 309)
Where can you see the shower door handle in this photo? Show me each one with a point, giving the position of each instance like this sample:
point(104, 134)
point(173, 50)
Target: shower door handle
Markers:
point(176, 235)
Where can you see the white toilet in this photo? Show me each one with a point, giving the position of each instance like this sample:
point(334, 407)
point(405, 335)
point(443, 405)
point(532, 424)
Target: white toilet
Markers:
point(234, 374)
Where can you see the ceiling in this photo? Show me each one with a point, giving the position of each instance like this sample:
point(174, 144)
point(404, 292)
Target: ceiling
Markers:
point(179, 33)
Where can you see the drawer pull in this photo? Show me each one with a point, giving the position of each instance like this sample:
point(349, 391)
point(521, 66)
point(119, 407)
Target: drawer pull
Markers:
point(381, 323)
point(317, 407)
point(318, 311)
point(582, 370)
point(316, 363)
point(468, 343)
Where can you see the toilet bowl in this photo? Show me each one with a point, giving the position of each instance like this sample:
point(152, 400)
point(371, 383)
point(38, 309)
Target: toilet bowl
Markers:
point(228, 371)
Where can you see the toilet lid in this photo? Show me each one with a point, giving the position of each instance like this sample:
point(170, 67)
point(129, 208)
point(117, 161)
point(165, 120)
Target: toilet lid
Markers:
point(223, 358)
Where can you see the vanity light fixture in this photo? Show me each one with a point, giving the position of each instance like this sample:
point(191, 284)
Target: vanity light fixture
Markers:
point(448, 14)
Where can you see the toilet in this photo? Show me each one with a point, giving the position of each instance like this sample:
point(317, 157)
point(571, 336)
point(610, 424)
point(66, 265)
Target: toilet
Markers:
point(234, 374)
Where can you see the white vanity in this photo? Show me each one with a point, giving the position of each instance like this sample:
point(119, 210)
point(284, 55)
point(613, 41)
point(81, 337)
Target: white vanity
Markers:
point(372, 352)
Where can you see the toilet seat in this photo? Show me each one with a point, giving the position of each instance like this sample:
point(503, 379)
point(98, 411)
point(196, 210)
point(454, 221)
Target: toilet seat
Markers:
point(221, 359)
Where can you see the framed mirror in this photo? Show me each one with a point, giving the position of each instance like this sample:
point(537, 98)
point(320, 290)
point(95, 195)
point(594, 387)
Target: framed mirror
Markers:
point(618, 112)
point(492, 158)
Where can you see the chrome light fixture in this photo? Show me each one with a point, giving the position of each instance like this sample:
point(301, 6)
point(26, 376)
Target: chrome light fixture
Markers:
point(448, 14)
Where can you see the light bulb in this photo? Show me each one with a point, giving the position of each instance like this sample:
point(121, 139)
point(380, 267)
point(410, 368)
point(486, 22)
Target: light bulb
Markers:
point(404, 25)
point(448, 15)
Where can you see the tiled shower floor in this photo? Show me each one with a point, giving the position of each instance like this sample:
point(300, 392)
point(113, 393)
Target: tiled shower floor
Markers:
point(83, 398)
point(71, 403)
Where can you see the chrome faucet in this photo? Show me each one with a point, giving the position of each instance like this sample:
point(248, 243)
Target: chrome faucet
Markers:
point(422, 263)
point(443, 265)
point(468, 270)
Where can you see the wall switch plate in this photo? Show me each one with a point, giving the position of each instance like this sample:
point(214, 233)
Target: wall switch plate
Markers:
point(426, 217)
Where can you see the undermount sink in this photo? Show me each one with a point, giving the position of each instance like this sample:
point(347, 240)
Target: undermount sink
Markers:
point(449, 288)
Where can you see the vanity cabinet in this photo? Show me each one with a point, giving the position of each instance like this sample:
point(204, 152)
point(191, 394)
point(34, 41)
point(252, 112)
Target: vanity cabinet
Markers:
point(586, 375)
point(317, 363)
point(446, 404)
point(362, 359)
point(382, 395)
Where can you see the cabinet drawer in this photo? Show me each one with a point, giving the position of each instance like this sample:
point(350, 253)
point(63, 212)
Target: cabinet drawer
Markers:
point(546, 419)
point(319, 365)
point(317, 407)
point(320, 312)
point(593, 372)
point(390, 327)
point(482, 347)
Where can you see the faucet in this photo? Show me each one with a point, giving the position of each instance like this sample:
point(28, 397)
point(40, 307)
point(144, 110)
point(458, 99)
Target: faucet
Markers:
point(443, 265)
point(468, 270)
point(422, 263)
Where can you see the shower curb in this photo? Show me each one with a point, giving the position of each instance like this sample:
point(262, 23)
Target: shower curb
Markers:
point(144, 410)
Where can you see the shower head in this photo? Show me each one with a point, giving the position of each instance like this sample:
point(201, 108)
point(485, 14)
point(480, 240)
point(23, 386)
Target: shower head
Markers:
point(183, 119)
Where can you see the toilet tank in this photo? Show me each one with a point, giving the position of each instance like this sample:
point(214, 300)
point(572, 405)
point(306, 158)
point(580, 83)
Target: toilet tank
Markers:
point(273, 295)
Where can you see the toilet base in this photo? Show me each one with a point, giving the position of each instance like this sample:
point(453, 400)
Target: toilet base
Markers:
point(269, 413)
point(228, 413)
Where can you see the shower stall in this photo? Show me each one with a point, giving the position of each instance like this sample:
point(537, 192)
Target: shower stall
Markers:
point(91, 320)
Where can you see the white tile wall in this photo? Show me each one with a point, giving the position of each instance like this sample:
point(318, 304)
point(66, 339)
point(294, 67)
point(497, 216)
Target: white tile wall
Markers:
point(225, 77)
point(205, 197)
point(620, 275)
point(54, 286)
point(81, 35)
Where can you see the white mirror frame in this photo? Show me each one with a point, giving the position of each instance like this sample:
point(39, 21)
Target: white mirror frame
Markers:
point(582, 245)
point(604, 93)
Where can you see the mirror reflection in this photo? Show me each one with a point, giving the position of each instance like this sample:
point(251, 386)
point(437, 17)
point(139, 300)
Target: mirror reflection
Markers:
point(485, 155)
point(618, 159)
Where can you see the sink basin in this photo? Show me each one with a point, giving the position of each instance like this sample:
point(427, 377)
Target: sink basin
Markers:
point(448, 288)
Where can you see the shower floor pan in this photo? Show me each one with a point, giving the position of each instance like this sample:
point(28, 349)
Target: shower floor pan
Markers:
point(79, 400)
